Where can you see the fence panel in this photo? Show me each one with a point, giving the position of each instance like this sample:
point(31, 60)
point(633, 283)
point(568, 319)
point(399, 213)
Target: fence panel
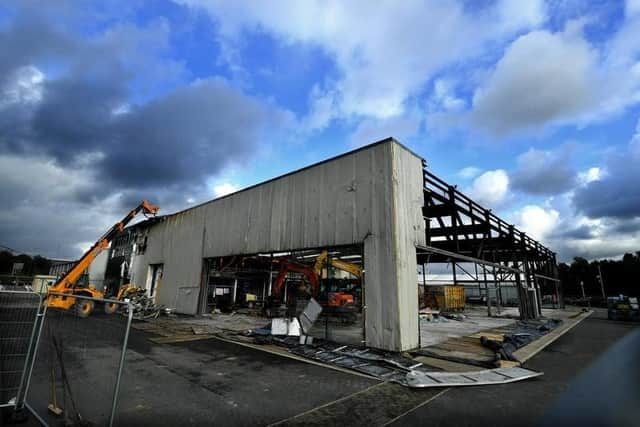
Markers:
point(78, 366)
point(21, 314)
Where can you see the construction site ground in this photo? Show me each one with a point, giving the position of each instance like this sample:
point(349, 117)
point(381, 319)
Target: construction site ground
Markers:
point(211, 381)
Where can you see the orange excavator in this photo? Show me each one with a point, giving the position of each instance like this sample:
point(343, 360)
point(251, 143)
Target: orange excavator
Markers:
point(274, 303)
point(309, 274)
point(61, 294)
point(338, 299)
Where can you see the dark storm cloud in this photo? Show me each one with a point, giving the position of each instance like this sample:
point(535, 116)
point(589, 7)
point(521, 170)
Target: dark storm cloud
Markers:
point(75, 116)
point(627, 227)
point(105, 118)
point(544, 173)
point(32, 34)
point(617, 194)
point(191, 132)
point(178, 137)
point(582, 232)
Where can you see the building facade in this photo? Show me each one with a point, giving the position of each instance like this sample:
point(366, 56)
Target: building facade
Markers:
point(370, 209)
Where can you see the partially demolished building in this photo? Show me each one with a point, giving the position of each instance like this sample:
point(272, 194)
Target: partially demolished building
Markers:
point(364, 220)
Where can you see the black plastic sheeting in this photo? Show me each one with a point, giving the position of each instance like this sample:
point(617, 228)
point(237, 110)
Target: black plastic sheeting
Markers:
point(525, 331)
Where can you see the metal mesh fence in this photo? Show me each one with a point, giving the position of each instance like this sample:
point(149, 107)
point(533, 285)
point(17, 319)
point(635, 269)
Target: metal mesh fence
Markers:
point(19, 326)
point(77, 369)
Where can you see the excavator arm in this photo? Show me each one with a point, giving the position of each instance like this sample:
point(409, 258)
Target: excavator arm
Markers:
point(285, 267)
point(351, 268)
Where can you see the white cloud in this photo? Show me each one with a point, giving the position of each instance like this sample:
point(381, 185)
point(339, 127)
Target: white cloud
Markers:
point(323, 106)
point(384, 52)
point(557, 225)
point(543, 77)
point(490, 188)
point(469, 172)
point(24, 85)
point(537, 221)
point(590, 175)
point(121, 109)
point(224, 189)
point(444, 98)
point(558, 78)
point(632, 7)
point(607, 245)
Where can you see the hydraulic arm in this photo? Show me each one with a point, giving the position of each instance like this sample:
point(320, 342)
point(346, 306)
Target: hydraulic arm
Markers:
point(67, 283)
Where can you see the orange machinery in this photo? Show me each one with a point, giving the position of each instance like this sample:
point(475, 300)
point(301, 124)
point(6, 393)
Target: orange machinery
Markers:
point(286, 266)
point(338, 299)
point(312, 276)
point(66, 284)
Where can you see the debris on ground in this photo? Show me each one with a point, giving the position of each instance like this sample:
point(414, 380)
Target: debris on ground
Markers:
point(481, 344)
point(455, 316)
point(290, 334)
point(142, 305)
point(398, 368)
point(296, 326)
point(524, 332)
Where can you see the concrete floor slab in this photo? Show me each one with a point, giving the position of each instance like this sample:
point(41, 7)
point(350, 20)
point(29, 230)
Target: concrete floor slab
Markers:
point(435, 332)
point(476, 320)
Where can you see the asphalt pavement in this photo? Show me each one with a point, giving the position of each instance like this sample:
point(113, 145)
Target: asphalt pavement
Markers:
point(212, 382)
point(524, 403)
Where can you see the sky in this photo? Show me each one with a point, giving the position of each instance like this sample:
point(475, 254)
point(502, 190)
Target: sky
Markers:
point(530, 107)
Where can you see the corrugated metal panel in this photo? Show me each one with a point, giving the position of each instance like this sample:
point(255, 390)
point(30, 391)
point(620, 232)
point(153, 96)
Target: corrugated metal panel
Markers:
point(322, 206)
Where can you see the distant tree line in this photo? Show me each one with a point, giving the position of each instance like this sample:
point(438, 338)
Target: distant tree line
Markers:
point(619, 277)
point(32, 265)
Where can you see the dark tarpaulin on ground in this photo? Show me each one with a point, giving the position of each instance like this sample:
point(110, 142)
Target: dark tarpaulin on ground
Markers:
point(524, 332)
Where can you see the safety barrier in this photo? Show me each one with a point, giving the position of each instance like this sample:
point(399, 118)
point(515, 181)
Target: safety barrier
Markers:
point(78, 366)
point(21, 318)
point(57, 366)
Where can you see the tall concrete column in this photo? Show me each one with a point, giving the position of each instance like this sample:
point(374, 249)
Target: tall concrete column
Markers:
point(391, 286)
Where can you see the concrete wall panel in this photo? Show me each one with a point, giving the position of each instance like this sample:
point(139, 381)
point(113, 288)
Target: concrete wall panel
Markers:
point(410, 231)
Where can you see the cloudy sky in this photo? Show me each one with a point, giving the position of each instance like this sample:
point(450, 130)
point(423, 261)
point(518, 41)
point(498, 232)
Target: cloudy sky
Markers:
point(532, 107)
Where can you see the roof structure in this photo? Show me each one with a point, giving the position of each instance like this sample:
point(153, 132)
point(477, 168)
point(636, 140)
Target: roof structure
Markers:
point(460, 230)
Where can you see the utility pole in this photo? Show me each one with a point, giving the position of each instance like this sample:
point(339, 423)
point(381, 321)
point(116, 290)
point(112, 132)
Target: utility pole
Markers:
point(604, 296)
point(584, 297)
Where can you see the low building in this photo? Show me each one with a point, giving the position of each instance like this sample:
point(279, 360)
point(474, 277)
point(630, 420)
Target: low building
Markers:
point(370, 208)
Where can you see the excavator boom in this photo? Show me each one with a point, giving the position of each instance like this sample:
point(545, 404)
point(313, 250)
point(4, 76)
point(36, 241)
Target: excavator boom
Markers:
point(354, 269)
point(287, 266)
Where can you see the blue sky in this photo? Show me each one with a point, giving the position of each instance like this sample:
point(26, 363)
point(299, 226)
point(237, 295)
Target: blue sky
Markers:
point(530, 107)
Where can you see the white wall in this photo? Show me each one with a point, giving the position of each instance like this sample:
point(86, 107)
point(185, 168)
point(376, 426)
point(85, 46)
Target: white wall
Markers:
point(409, 227)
